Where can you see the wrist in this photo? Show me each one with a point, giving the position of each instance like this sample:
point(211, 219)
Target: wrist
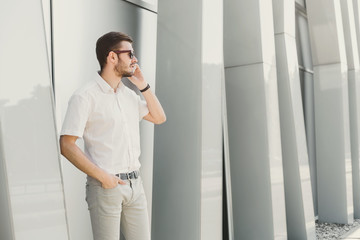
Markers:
point(142, 85)
point(102, 177)
point(145, 88)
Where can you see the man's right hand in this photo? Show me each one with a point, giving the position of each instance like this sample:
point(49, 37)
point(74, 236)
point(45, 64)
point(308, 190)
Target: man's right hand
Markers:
point(111, 181)
point(77, 157)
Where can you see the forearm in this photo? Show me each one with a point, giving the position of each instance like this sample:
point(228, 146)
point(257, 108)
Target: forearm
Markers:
point(154, 106)
point(76, 156)
point(156, 111)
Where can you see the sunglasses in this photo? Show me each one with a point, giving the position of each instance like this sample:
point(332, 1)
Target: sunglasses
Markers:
point(131, 53)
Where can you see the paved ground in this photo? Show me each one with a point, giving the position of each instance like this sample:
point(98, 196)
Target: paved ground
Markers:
point(334, 231)
point(352, 234)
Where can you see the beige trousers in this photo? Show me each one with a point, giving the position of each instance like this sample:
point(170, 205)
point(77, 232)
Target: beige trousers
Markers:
point(123, 207)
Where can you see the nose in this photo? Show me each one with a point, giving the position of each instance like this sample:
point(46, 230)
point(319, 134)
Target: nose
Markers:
point(135, 60)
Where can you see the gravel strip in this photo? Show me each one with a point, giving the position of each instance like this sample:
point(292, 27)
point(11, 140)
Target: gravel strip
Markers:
point(333, 230)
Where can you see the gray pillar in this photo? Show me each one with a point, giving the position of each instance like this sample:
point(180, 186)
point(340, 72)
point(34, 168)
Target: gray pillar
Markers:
point(298, 195)
point(32, 197)
point(253, 121)
point(187, 192)
point(212, 67)
point(334, 174)
point(356, 8)
point(351, 23)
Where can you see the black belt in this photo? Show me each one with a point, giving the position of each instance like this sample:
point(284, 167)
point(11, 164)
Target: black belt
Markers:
point(130, 175)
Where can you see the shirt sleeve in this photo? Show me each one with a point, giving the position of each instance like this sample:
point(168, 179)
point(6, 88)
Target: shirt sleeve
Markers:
point(143, 109)
point(76, 117)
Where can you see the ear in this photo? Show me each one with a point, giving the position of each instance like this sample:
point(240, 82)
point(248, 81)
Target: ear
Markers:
point(112, 58)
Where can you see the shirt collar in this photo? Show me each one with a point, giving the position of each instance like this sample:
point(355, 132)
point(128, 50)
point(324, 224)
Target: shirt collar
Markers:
point(105, 87)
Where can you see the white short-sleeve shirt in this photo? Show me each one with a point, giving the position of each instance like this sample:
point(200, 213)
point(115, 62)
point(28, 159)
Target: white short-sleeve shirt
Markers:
point(108, 122)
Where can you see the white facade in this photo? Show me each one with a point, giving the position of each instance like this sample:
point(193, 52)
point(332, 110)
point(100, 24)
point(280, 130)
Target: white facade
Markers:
point(262, 104)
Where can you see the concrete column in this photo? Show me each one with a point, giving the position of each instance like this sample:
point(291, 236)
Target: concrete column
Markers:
point(334, 173)
point(32, 197)
point(356, 7)
point(187, 192)
point(351, 29)
point(298, 195)
point(253, 121)
point(212, 63)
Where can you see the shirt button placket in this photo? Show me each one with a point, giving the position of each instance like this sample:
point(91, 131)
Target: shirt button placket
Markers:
point(126, 129)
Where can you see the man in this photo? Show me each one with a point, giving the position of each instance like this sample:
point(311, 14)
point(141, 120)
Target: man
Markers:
point(106, 114)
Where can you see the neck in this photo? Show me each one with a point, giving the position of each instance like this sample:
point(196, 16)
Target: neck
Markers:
point(112, 79)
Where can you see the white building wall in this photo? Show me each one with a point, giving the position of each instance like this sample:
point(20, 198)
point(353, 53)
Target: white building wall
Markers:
point(32, 196)
point(298, 195)
point(212, 145)
point(187, 198)
point(334, 173)
point(253, 120)
point(186, 52)
point(352, 54)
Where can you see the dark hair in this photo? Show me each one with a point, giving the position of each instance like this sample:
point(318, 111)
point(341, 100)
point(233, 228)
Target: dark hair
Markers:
point(107, 43)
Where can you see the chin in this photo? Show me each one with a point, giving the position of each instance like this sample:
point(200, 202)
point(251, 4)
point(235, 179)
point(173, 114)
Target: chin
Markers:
point(128, 74)
point(131, 72)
